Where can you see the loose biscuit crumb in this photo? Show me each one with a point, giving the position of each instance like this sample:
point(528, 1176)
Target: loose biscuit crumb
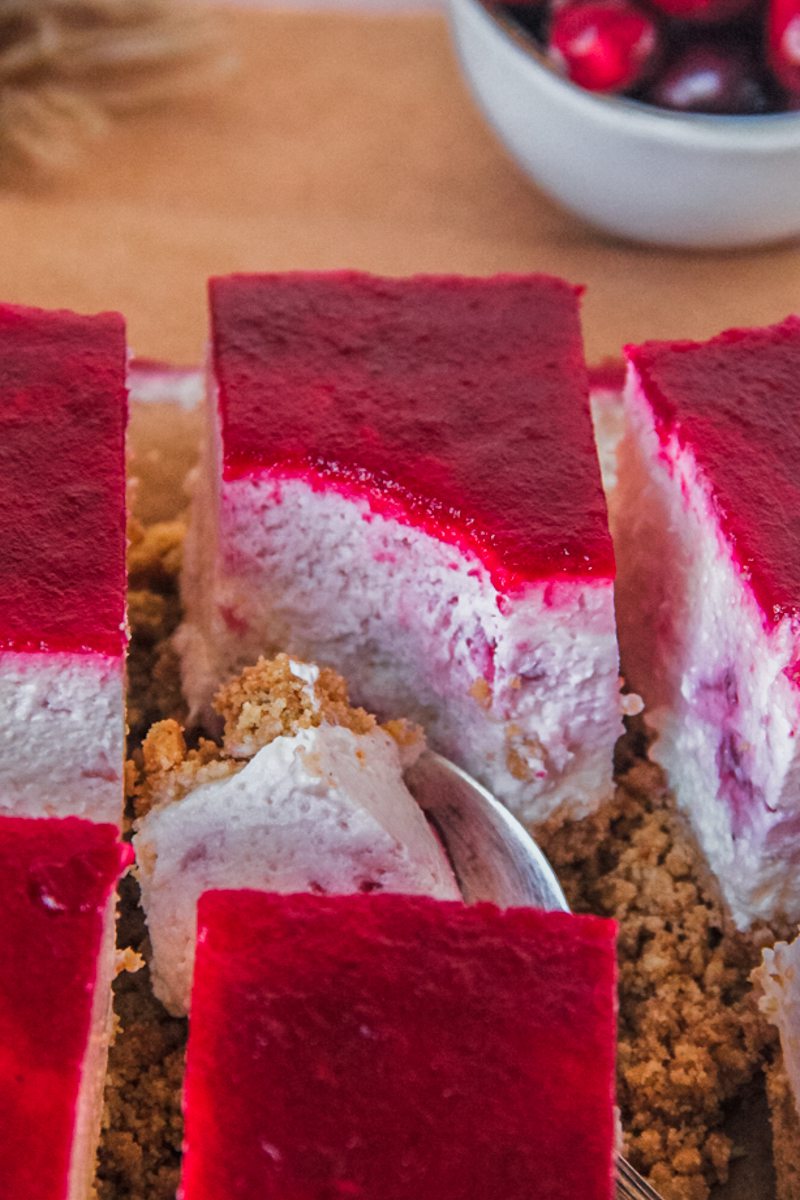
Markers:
point(269, 699)
point(169, 769)
point(481, 692)
point(142, 1127)
point(266, 701)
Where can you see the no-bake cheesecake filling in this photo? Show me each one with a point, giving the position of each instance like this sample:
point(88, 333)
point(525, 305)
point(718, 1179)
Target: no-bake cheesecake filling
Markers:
point(708, 594)
point(400, 481)
point(62, 562)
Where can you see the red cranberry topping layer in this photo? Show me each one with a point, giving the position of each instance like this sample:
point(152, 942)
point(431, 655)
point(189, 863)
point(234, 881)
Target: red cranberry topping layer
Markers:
point(734, 402)
point(55, 881)
point(603, 45)
point(457, 404)
point(62, 481)
point(384, 1047)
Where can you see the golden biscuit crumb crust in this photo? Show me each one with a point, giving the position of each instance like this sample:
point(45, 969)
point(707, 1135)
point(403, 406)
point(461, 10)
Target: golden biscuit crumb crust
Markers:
point(785, 1131)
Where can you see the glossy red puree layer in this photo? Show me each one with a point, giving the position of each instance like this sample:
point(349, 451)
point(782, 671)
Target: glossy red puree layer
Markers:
point(396, 1047)
point(735, 402)
point(459, 403)
point(55, 881)
point(62, 481)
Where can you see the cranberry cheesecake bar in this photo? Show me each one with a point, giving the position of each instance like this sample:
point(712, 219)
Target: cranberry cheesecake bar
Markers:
point(400, 482)
point(62, 563)
point(389, 1047)
point(707, 535)
point(58, 882)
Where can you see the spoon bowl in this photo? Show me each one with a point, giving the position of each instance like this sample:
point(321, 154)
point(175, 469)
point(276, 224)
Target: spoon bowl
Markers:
point(492, 856)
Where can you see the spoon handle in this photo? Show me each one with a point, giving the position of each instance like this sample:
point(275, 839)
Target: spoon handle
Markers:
point(630, 1185)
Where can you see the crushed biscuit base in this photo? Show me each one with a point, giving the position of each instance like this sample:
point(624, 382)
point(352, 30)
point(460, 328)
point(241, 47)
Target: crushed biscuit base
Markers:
point(785, 1131)
point(139, 1157)
point(691, 1040)
point(154, 560)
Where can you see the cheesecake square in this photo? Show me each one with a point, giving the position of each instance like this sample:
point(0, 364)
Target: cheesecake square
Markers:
point(398, 1048)
point(707, 535)
point(62, 563)
point(57, 895)
point(400, 482)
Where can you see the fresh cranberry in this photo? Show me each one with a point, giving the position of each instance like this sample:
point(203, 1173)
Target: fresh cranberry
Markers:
point(603, 45)
point(711, 78)
point(783, 42)
point(703, 12)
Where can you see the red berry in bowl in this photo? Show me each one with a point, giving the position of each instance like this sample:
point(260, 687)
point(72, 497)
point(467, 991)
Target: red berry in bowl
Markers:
point(783, 42)
point(707, 12)
point(711, 78)
point(603, 45)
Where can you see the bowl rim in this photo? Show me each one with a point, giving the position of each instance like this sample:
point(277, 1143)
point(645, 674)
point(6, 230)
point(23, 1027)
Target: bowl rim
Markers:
point(494, 11)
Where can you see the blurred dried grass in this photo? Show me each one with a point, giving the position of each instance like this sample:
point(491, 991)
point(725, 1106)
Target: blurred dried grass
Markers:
point(67, 67)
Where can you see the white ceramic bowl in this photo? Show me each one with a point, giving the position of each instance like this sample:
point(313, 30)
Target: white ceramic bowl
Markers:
point(633, 170)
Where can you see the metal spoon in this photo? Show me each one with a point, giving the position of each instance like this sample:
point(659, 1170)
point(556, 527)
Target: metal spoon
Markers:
point(495, 859)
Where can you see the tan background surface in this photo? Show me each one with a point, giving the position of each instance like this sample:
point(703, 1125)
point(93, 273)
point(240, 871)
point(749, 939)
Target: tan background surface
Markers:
point(344, 140)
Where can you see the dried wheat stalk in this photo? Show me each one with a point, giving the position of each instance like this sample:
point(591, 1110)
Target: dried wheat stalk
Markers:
point(67, 66)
